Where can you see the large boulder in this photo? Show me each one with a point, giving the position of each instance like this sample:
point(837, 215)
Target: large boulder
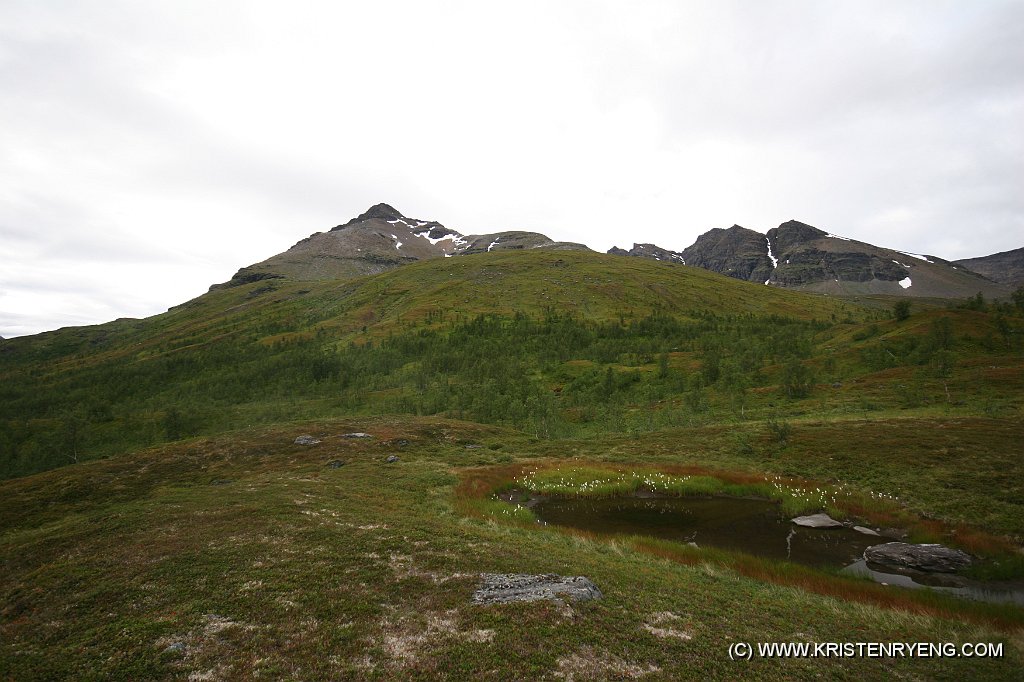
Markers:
point(928, 558)
point(509, 587)
point(817, 521)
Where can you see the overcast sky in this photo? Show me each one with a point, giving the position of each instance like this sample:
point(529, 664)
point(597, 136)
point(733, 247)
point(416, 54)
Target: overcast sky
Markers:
point(150, 149)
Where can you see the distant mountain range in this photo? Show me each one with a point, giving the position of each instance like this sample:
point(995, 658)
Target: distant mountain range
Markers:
point(793, 255)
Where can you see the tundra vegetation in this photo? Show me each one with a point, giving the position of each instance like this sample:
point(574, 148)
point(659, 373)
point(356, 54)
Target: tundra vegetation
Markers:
point(159, 521)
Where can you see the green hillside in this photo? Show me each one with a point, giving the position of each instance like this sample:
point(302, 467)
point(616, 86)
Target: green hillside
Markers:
point(412, 340)
point(557, 343)
point(154, 495)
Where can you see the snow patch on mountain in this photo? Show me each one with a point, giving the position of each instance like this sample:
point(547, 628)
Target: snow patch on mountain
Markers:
point(433, 242)
point(915, 255)
point(774, 260)
point(771, 256)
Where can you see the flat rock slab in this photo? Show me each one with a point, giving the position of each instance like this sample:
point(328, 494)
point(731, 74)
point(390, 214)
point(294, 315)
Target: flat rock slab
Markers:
point(306, 440)
point(866, 531)
point(817, 521)
point(358, 434)
point(502, 588)
point(928, 558)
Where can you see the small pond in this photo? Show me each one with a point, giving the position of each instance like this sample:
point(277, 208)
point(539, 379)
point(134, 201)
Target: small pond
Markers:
point(753, 526)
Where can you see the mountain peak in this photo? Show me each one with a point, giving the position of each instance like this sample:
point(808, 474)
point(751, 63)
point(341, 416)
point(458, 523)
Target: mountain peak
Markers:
point(375, 212)
point(382, 211)
point(803, 229)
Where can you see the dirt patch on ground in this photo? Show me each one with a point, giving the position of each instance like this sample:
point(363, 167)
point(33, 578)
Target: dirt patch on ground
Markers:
point(202, 644)
point(406, 640)
point(591, 664)
point(666, 625)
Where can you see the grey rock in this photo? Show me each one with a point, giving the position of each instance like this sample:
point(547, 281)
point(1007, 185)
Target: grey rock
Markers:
point(817, 521)
point(928, 558)
point(221, 481)
point(502, 588)
point(358, 434)
point(736, 252)
point(866, 531)
point(336, 464)
point(392, 459)
point(306, 440)
point(175, 648)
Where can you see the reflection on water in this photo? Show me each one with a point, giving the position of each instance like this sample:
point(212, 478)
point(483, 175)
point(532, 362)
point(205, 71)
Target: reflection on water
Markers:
point(961, 587)
point(752, 526)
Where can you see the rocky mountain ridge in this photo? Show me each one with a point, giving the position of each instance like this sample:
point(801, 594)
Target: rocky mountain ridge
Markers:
point(800, 256)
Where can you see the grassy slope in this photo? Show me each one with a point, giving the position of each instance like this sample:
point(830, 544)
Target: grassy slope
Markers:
point(161, 363)
point(262, 561)
point(593, 285)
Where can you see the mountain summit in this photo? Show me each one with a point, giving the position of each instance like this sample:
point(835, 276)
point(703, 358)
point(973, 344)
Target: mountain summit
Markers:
point(381, 211)
point(379, 239)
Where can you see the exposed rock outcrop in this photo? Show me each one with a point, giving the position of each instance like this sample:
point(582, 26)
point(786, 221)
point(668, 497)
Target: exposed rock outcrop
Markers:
point(736, 252)
point(510, 587)
point(928, 558)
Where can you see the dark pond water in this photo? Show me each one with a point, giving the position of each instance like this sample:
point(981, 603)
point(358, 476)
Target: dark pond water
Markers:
point(746, 525)
point(752, 526)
